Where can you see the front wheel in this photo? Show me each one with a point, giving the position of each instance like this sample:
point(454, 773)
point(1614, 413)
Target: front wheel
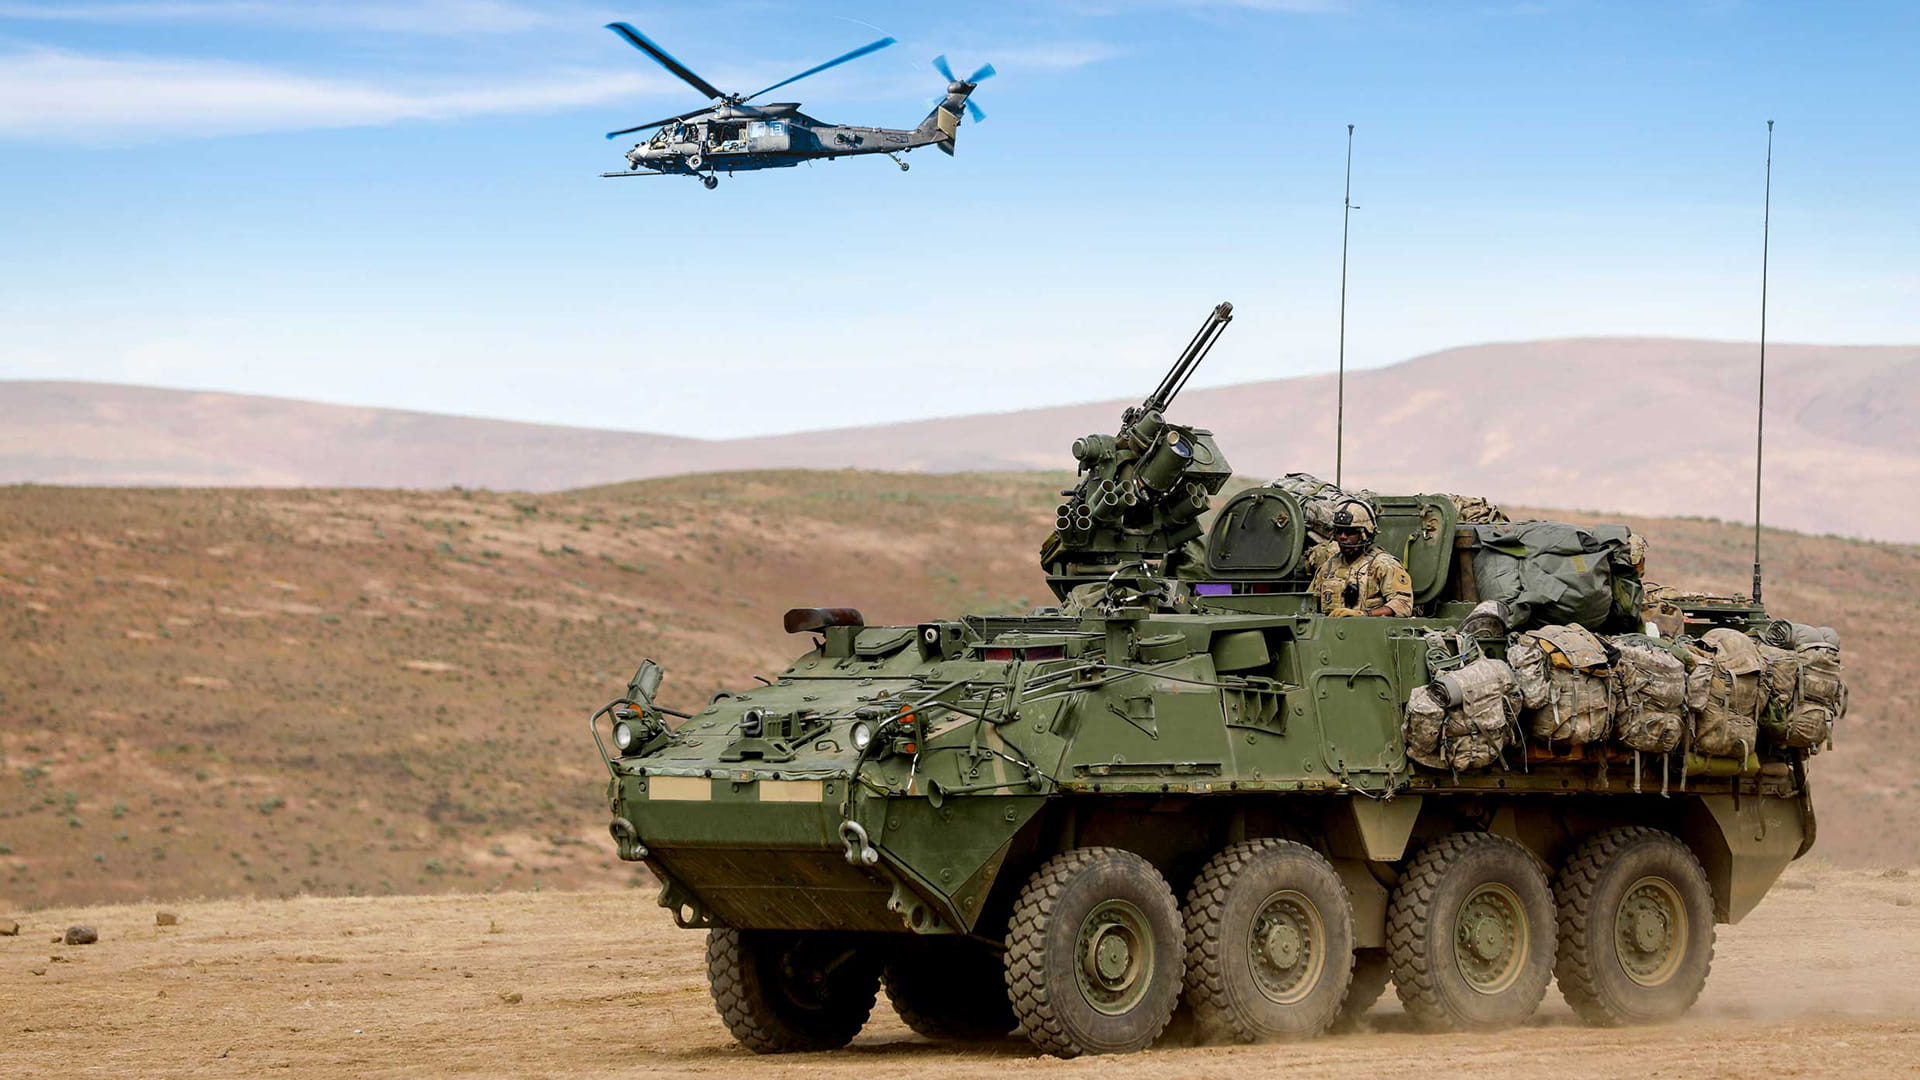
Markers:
point(1636, 928)
point(1471, 932)
point(1094, 954)
point(710, 182)
point(949, 989)
point(781, 991)
point(1269, 942)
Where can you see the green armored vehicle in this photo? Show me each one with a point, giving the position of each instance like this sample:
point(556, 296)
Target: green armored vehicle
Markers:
point(1186, 788)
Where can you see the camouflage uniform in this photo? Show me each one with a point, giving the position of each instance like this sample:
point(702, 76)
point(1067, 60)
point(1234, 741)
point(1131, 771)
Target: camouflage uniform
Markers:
point(1383, 582)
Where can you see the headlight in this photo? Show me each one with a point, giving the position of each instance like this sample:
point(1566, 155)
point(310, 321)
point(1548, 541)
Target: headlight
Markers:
point(862, 734)
point(753, 722)
point(624, 736)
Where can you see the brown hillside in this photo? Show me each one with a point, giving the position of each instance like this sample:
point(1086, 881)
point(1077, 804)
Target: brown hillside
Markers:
point(1649, 426)
point(271, 692)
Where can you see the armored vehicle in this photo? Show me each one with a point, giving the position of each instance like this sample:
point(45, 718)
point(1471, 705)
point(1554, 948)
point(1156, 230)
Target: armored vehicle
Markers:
point(1185, 788)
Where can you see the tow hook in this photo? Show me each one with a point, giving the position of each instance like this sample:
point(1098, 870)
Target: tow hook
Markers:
point(627, 839)
point(859, 851)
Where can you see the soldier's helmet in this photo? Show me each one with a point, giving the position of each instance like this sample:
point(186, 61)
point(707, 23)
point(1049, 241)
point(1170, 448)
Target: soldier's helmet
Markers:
point(1354, 514)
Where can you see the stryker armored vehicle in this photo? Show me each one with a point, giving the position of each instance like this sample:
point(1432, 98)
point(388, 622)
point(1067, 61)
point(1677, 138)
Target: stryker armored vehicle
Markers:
point(1186, 788)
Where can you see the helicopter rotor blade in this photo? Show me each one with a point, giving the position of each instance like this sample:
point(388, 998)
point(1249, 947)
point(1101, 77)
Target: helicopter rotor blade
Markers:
point(975, 111)
point(656, 123)
point(665, 59)
point(940, 65)
point(870, 47)
point(982, 73)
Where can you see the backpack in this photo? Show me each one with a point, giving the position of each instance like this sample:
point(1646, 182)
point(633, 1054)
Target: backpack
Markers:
point(1650, 700)
point(1463, 719)
point(1726, 691)
point(1320, 499)
point(1805, 694)
point(1565, 678)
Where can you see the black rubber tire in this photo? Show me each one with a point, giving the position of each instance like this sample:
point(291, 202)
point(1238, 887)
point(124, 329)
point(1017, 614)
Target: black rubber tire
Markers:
point(1424, 932)
point(1223, 909)
point(1043, 941)
point(1372, 971)
point(782, 991)
point(950, 989)
point(1590, 890)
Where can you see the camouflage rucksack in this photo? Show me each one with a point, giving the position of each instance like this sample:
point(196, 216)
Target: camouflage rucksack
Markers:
point(1565, 680)
point(1320, 499)
point(1725, 688)
point(1805, 695)
point(1650, 701)
point(1464, 717)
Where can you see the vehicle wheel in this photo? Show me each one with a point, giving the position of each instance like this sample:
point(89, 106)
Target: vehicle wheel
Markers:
point(1269, 942)
point(1636, 927)
point(1372, 971)
point(951, 989)
point(710, 182)
point(1470, 931)
point(781, 991)
point(1094, 954)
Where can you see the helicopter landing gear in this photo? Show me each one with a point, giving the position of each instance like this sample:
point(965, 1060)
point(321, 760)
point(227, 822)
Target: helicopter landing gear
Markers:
point(897, 161)
point(710, 182)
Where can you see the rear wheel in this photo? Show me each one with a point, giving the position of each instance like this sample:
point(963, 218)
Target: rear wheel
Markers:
point(1636, 927)
point(1094, 954)
point(1269, 942)
point(1471, 929)
point(950, 989)
point(781, 991)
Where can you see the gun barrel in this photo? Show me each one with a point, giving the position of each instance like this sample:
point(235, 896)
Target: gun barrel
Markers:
point(1190, 358)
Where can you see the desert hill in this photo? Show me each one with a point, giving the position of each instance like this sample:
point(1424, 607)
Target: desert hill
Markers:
point(271, 692)
point(1632, 425)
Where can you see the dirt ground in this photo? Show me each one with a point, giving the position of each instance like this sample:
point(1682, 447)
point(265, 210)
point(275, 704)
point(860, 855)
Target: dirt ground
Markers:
point(1822, 980)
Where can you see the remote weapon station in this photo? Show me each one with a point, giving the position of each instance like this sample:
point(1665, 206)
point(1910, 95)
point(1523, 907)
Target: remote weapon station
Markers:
point(1185, 783)
point(732, 135)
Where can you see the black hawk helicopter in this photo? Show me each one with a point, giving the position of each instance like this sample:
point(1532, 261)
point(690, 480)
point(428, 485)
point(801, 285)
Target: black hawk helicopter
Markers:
point(733, 136)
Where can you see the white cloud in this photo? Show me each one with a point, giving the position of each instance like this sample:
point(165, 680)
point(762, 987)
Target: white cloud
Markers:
point(53, 95)
point(391, 16)
point(1058, 56)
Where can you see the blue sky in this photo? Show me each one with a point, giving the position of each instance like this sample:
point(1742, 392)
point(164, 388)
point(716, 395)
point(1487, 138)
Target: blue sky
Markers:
point(395, 202)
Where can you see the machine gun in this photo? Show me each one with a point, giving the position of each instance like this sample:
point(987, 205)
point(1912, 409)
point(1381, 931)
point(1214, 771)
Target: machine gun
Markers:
point(1141, 491)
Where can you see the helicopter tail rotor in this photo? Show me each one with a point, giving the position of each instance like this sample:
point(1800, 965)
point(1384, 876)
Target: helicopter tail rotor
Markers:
point(947, 109)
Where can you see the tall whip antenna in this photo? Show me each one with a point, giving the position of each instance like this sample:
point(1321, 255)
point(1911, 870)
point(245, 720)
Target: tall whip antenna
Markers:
point(1760, 423)
point(1340, 398)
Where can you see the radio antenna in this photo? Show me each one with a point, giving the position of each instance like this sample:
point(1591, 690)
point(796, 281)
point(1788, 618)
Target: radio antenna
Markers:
point(1760, 421)
point(1340, 392)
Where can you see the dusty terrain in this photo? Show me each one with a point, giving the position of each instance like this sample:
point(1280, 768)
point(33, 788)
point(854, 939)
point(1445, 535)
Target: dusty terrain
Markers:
point(1520, 421)
point(1823, 980)
point(274, 693)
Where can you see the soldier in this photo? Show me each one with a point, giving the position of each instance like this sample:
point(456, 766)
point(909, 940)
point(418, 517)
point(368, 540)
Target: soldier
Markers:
point(1359, 578)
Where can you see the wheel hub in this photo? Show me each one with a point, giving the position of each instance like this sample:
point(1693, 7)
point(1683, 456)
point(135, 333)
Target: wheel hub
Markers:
point(1491, 938)
point(1287, 947)
point(1114, 952)
point(1650, 931)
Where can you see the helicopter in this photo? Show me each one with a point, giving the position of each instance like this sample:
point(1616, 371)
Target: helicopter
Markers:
point(732, 135)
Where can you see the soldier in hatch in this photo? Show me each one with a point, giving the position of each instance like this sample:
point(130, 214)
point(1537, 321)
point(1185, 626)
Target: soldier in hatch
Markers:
point(1356, 577)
